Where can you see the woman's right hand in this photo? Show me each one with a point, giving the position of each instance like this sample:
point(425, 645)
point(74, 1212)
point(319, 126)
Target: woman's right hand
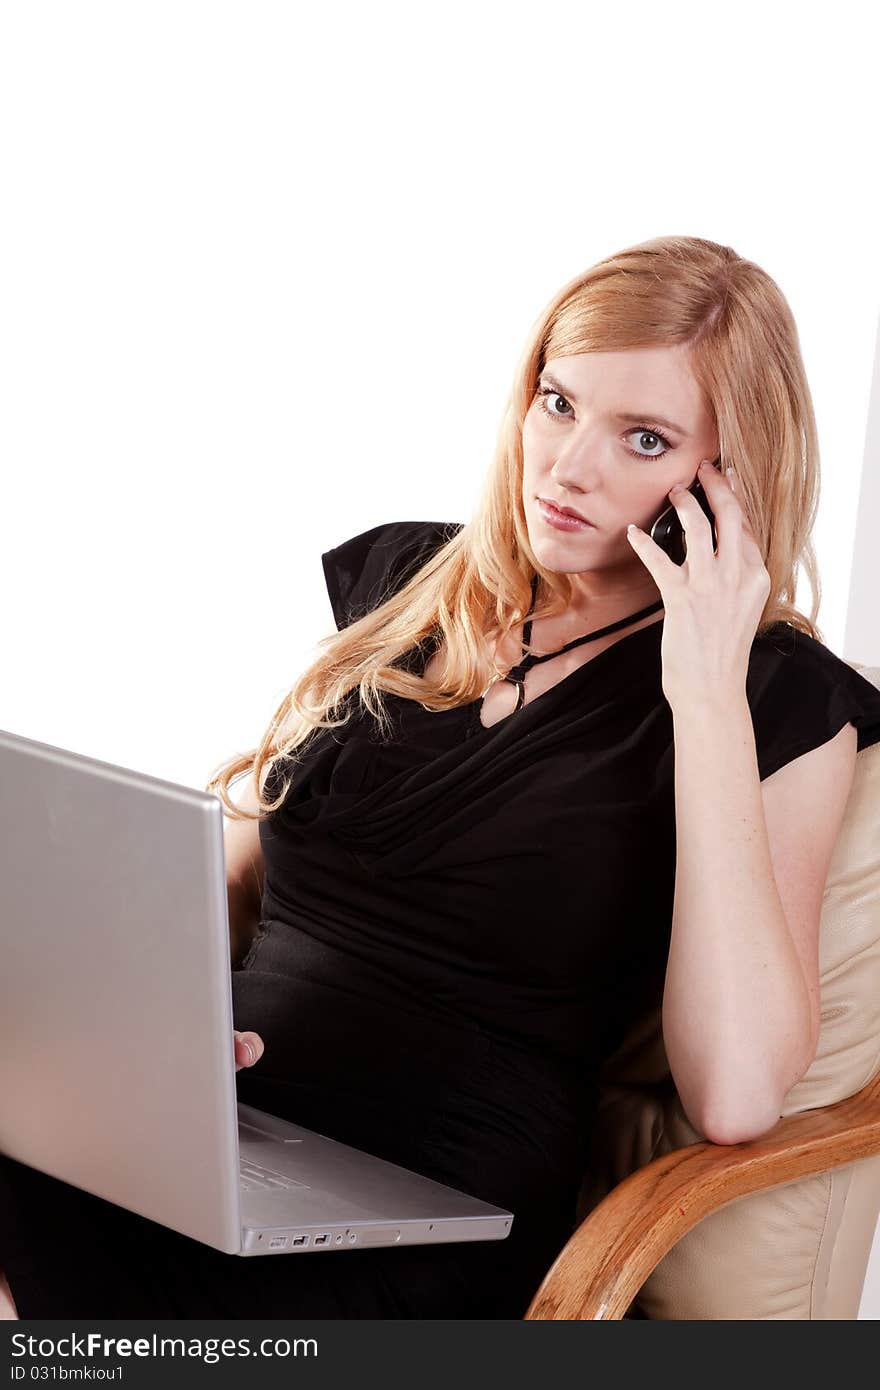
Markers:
point(248, 1048)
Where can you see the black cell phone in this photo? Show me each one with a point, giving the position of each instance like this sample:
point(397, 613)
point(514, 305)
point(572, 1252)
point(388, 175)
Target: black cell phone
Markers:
point(668, 532)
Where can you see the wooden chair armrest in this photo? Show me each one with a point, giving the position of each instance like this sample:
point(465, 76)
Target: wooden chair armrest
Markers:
point(612, 1252)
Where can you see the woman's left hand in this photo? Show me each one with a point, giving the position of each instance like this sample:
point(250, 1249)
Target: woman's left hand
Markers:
point(713, 602)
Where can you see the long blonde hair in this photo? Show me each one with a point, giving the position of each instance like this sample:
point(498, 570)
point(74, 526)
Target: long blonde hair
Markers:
point(745, 355)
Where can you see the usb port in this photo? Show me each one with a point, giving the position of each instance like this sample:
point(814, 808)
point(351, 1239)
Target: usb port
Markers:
point(322, 1240)
point(300, 1240)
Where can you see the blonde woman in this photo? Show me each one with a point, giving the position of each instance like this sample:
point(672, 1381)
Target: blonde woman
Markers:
point(545, 773)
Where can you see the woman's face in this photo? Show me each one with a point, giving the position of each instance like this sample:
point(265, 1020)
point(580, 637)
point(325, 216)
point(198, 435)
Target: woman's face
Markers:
point(607, 435)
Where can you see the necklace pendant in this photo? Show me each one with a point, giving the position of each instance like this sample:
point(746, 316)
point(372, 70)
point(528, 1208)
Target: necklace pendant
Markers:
point(494, 681)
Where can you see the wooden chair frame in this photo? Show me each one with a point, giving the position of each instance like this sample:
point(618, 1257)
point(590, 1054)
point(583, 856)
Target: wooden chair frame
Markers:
point(616, 1247)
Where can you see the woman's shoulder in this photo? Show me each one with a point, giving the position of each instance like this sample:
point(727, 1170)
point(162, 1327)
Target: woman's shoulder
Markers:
point(801, 694)
point(367, 568)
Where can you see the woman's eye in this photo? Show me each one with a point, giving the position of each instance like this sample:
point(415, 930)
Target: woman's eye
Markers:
point(641, 431)
point(544, 394)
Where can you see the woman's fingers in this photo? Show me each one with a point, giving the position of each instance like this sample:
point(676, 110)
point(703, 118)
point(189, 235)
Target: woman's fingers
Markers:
point(248, 1048)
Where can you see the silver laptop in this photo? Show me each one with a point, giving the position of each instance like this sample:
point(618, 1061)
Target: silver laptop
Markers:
point(117, 1067)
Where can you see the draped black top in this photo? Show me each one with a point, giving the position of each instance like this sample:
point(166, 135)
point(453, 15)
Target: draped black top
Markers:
point(467, 919)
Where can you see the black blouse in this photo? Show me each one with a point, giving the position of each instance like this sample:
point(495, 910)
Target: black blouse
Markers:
point(521, 873)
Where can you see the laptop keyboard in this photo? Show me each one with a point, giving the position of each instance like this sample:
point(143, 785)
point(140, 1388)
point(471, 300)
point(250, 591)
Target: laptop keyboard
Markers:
point(256, 1178)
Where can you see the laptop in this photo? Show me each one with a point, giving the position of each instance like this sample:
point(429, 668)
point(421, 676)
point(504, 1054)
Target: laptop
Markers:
point(117, 1065)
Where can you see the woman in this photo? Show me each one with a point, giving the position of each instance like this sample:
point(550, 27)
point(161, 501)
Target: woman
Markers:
point(467, 874)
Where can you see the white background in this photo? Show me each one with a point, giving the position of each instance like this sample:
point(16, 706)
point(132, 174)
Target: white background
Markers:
point(266, 273)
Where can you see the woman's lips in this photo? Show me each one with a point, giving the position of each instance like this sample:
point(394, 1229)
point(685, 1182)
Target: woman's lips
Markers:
point(561, 520)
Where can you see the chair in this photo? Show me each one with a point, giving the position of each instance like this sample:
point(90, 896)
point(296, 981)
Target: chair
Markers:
point(673, 1227)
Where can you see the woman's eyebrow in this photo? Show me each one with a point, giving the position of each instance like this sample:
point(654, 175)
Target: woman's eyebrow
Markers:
point(636, 418)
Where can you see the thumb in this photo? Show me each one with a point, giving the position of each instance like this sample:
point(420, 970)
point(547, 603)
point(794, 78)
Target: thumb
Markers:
point(249, 1048)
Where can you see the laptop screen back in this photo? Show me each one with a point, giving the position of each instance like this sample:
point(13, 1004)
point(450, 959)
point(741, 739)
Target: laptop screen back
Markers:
point(116, 1062)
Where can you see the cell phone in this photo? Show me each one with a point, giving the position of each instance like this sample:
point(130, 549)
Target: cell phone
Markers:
point(668, 531)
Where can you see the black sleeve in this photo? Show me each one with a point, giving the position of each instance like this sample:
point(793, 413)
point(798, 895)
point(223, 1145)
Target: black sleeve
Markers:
point(363, 571)
point(801, 695)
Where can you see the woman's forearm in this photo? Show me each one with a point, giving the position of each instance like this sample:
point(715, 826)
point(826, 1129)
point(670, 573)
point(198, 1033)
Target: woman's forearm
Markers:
point(736, 1011)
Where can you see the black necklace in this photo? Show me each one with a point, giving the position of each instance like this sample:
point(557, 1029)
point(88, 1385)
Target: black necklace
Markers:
point(516, 675)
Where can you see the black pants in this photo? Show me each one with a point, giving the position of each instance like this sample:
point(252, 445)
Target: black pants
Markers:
point(68, 1254)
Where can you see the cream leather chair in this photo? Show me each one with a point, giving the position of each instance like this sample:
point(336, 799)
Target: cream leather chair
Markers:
point(676, 1228)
